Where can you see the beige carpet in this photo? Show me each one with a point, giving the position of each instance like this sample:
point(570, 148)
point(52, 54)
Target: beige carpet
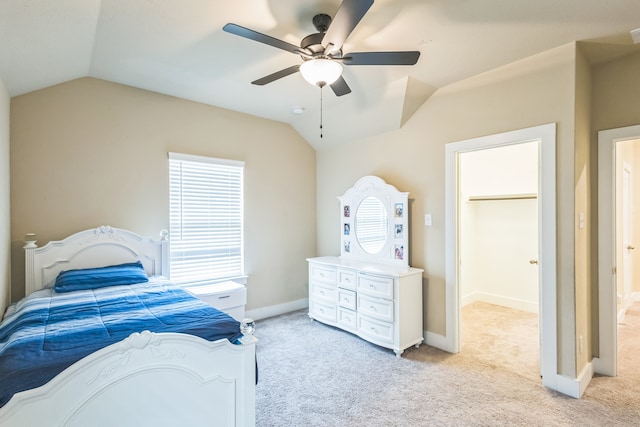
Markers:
point(315, 375)
point(502, 338)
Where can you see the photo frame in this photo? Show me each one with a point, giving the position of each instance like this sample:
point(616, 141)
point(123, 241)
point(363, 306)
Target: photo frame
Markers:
point(399, 210)
point(399, 231)
point(398, 253)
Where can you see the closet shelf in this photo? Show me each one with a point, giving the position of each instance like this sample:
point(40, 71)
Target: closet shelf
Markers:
point(503, 197)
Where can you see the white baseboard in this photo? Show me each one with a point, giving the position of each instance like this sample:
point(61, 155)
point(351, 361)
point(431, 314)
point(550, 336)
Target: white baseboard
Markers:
point(572, 387)
point(275, 310)
point(515, 303)
point(585, 377)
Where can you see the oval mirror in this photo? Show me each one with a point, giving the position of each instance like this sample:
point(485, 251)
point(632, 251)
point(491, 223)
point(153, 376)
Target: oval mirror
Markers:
point(371, 225)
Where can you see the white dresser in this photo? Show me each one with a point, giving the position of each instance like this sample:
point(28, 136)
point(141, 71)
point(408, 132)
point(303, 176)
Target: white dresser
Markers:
point(380, 303)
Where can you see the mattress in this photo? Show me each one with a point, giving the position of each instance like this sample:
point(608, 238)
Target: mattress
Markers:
point(46, 332)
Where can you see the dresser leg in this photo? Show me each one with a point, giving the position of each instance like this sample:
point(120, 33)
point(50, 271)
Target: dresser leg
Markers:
point(398, 352)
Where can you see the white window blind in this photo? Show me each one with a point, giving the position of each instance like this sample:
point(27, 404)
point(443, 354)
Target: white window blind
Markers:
point(371, 221)
point(206, 219)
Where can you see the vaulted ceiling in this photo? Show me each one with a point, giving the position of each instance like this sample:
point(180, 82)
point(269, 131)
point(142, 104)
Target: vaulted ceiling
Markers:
point(178, 48)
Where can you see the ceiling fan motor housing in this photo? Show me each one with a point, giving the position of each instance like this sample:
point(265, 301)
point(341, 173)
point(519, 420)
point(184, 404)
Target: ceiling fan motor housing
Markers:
point(313, 42)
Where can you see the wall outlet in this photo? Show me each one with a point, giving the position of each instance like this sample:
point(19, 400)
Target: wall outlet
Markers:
point(427, 220)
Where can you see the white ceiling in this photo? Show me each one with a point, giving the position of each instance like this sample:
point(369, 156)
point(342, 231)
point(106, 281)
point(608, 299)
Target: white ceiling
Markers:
point(177, 47)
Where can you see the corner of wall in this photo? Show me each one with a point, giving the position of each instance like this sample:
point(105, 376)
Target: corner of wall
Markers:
point(5, 209)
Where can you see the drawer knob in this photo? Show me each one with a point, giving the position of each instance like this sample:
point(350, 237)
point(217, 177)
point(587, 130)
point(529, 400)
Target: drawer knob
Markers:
point(224, 296)
point(372, 308)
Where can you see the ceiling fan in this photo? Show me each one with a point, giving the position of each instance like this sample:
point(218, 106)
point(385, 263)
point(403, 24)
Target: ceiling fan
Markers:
point(322, 51)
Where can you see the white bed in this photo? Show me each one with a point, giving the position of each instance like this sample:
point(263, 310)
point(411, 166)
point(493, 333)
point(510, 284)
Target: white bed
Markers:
point(163, 379)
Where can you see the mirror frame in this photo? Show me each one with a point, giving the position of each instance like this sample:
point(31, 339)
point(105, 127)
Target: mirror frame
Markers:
point(395, 250)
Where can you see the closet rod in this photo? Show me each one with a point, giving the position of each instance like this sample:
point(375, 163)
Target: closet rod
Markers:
point(503, 197)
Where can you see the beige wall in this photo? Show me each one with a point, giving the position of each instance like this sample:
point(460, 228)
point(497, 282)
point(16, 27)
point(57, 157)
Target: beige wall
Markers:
point(586, 324)
point(89, 153)
point(531, 92)
point(616, 92)
point(614, 104)
point(5, 223)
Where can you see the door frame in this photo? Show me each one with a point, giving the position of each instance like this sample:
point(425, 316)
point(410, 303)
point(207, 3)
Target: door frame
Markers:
point(546, 135)
point(607, 361)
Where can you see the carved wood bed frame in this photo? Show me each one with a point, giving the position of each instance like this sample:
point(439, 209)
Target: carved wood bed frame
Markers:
point(163, 379)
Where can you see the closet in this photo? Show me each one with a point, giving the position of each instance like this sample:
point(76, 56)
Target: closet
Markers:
point(499, 226)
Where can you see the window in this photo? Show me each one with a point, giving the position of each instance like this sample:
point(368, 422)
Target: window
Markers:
point(205, 224)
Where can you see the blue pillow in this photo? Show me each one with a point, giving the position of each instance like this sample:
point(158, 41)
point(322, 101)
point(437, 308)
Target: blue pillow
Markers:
point(93, 278)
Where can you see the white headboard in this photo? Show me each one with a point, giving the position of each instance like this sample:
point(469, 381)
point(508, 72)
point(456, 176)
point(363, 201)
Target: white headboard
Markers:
point(97, 247)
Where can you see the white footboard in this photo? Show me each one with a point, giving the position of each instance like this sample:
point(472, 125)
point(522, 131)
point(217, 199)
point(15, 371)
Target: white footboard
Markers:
point(147, 380)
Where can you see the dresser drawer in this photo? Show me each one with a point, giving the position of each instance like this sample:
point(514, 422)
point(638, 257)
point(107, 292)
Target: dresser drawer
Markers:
point(376, 286)
point(229, 297)
point(375, 329)
point(323, 273)
point(347, 279)
point(381, 309)
point(323, 311)
point(347, 299)
point(347, 319)
point(324, 292)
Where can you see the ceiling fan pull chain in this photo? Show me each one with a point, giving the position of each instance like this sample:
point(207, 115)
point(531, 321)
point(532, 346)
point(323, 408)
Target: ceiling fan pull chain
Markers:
point(321, 110)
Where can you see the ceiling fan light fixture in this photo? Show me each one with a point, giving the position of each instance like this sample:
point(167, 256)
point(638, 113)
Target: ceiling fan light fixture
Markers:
point(320, 71)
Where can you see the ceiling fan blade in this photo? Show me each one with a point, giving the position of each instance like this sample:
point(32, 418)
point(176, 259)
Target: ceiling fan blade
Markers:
point(382, 58)
point(262, 38)
point(345, 20)
point(277, 75)
point(340, 87)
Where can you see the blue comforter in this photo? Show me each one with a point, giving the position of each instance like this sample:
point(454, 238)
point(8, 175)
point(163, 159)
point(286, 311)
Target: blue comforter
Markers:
point(47, 331)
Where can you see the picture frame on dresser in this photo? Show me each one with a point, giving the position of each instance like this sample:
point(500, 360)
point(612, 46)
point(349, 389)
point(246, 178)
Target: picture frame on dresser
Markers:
point(370, 290)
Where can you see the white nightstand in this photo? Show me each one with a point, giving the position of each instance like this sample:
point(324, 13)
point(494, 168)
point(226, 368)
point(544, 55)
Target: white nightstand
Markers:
point(229, 297)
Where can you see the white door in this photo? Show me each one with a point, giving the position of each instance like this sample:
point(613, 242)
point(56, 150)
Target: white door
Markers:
point(624, 294)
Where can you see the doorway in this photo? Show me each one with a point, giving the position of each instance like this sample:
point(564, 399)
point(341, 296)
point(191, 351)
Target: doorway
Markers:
point(545, 135)
point(616, 179)
point(498, 254)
